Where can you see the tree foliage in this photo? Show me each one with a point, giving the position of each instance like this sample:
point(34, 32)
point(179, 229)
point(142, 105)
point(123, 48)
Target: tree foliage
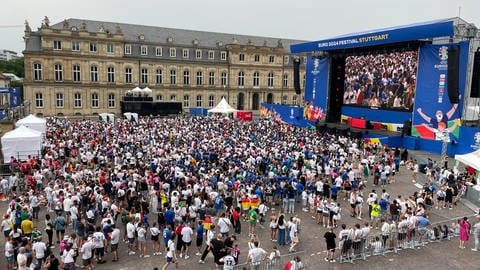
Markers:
point(13, 66)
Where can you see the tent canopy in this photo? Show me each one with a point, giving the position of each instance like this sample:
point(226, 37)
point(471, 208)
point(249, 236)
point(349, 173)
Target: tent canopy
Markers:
point(147, 90)
point(471, 159)
point(222, 107)
point(136, 90)
point(20, 143)
point(33, 122)
point(131, 116)
point(107, 117)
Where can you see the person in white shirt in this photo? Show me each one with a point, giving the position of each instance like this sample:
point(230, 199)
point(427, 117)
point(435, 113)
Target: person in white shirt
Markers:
point(155, 234)
point(68, 258)
point(224, 225)
point(39, 249)
point(131, 237)
point(228, 262)
point(99, 241)
point(114, 240)
point(74, 216)
point(171, 256)
point(142, 240)
point(9, 253)
point(186, 235)
point(22, 259)
point(256, 256)
point(87, 253)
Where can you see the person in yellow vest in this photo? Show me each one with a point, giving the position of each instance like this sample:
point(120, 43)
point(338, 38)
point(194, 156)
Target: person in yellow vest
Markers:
point(375, 213)
point(27, 226)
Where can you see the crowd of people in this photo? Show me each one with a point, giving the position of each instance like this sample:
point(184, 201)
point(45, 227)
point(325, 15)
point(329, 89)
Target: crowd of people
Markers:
point(187, 186)
point(382, 80)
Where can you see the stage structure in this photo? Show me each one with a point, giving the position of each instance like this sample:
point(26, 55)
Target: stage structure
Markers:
point(414, 81)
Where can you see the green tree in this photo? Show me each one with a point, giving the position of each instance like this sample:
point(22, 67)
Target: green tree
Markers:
point(13, 66)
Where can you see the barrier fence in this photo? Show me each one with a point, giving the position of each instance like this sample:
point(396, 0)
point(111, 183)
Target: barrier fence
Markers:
point(296, 260)
point(395, 241)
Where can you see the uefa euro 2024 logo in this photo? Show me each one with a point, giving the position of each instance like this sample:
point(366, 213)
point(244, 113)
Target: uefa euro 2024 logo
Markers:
point(443, 53)
point(316, 64)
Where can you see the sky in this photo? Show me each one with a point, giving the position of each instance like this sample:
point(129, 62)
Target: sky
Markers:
point(300, 19)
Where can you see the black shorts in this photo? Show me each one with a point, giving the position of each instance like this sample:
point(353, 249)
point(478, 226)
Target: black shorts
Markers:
point(86, 262)
point(187, 244)
point(154, 238)
point(199, 242)
point(440, 199)
point(113, 247)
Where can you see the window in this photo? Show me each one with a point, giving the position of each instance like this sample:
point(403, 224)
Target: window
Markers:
point(159, 98)
point(199, 101)
point(185, 53)
point(270, 79)
point(241, 78)
point(257, 58)
point(144, 75)
point(111, 74)
point(94, 100)
point(76, 73)
point(303, 81)
point(173, 76)
point(94, 73)
point(128, 75)
point(75, 46)
point(285, 81)
point(211, 55)
point(256, 79)
point(144, 50)
point(173, 98)
point(39, 100)
point(110, 48)
point(159, 77)
point(58, 72)
point(57, 45)
point(173, 52)
point(198, 54)
point(93, 47)
point(77, 100)
point(211, 78)
point(271, 59)
point(111, 100)
point(241, 57)
point(59, 103)
point(223, 78)
point(286, 59)
point(284, 99)
point(211, 101)
point(199, 78)
point(294, 100)
point(158, 51)
point(37, 72)
point(186, 101)
point(186, 77)
point(128, 49)
point(223, 56)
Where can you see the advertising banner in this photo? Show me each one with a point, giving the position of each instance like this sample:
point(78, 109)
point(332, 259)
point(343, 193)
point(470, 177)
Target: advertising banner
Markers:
point(316, 89)
point(434, 117)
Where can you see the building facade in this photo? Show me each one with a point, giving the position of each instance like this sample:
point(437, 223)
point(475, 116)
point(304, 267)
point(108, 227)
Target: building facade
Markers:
point(7, 55)
point(81, 67)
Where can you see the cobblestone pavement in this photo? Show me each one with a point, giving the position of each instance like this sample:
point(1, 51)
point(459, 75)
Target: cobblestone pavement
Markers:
point(444, 255)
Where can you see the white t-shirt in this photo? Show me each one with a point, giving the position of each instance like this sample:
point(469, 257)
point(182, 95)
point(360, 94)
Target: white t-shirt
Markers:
point(228, 262)
point(130, 230)
point(22, 261)
point(68, 256)
point(74, 212)
point(98, 238)
point(171, 248)
point(256, 255)
point(115, 237)
point(224, 225)
point(187, 233)
point(39, 248)
point(87, 250)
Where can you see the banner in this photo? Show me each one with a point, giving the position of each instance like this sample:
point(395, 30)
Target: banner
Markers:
point(316, 89)
point(434, 117)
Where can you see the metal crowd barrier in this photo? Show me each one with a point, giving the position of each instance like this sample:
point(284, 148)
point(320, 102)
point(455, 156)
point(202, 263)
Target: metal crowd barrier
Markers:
point(393, 242)
point(277, 263)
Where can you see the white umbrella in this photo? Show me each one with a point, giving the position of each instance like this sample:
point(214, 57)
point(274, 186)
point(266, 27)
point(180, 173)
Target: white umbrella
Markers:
point(147, 90)
point(136, 90)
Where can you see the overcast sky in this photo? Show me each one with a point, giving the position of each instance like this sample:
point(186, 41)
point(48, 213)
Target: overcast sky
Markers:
point(296, 19)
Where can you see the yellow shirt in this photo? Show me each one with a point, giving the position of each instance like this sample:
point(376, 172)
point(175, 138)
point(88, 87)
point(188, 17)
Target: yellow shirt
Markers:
point(27, 226)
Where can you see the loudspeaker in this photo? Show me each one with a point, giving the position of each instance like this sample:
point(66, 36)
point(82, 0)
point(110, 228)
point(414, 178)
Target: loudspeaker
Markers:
point(475, 87)
point(452, 75)
point(296, 75)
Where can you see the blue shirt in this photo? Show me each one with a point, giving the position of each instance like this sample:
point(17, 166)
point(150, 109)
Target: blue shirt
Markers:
point(200, 232)
point(383, 204)
point(422, 222)
point(169, 216)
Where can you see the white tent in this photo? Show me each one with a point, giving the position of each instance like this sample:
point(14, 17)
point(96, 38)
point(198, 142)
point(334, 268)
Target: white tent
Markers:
point(131, 116)
point(20, 143)
point(222, 107)
point(107, 117)
point(33, 122)
point(471, 159)
point(147, 90)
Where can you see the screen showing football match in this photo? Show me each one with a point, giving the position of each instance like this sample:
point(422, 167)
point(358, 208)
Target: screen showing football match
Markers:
point(382, 81)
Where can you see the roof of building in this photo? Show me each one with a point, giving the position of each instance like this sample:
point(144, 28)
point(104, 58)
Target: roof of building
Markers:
point(154, 34)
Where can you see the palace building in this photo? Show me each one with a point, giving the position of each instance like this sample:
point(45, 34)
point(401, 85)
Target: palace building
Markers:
point(83, 67)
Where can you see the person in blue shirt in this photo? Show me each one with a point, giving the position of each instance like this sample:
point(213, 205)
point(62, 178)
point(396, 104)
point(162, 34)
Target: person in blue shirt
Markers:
point(334, 191)
point(423, 223)
point(218, 204)
point(199, 237)
point(169, 217)
point(384, 203)
point(167, 235)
